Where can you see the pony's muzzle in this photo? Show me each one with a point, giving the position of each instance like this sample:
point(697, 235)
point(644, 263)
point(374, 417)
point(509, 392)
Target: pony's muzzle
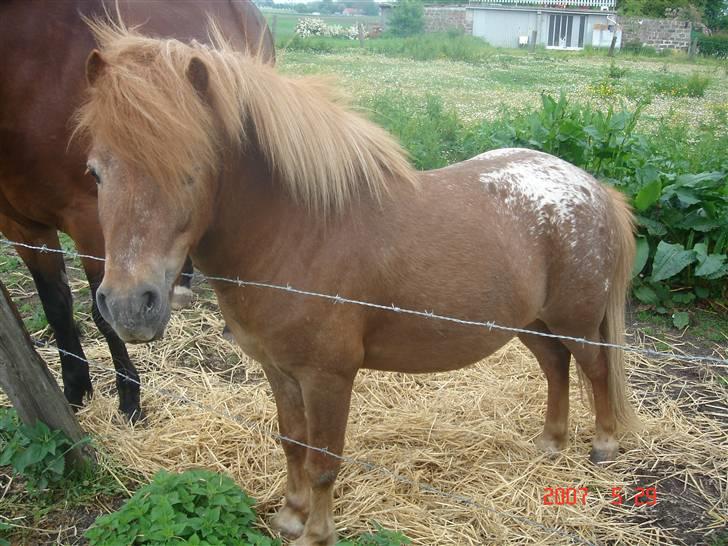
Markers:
point(137, 315)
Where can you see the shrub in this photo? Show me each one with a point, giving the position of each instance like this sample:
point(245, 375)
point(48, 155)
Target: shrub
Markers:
point(408, 18)
point(638, 48)
point(677, 85)
point(714, 46)
point(195, 507)
point(37, 453)
point(310, 26)
point(616, 72)
point(432, 46)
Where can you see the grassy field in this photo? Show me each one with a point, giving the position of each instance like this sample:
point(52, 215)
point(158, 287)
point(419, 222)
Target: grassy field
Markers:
point(515, 80)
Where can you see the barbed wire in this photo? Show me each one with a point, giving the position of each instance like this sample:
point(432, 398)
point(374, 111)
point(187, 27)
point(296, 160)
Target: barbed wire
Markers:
point(367, 465)
point(337, 299)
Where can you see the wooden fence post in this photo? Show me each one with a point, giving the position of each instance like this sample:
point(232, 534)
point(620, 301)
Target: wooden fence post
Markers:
point(534, 35)
point(26, 380)
point(611, 46)
point(273, 25)
point(360, 28)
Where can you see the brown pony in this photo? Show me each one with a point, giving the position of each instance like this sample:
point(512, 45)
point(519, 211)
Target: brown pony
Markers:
point(43, 188)
point(261, 177)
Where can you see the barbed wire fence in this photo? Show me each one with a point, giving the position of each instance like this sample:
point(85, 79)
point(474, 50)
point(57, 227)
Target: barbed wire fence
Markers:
point(338, 299)
point(712, 362)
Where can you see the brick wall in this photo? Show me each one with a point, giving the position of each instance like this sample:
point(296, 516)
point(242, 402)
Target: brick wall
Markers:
point(441, 19)
point(658, 33)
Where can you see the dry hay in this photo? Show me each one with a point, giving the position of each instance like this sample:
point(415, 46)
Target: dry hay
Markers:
point(469, 433)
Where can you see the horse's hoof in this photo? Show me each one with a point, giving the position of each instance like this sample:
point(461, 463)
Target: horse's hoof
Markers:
point(604, 451)
point(75, 397)
point(181, 297)
point(289, 522)
point(549, 444)
point(134, 416)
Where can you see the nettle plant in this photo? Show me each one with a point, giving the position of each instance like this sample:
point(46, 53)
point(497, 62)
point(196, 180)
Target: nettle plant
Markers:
point(36, 453)
point(196, 507)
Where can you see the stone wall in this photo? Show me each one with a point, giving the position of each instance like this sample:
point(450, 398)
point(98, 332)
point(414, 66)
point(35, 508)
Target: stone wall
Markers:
point(441, 19)
point(658, 33)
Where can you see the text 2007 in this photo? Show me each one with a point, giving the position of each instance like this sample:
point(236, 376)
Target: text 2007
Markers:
point(570, 496)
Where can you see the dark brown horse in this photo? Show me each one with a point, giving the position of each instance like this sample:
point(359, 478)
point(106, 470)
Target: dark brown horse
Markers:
point(210, 152)
point(43, 188)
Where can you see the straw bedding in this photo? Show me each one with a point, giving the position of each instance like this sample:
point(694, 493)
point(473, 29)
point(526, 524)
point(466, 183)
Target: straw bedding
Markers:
point(468, 433)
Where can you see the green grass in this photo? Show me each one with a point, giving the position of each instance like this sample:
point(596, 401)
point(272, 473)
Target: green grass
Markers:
point(513, 79)
point(705, 324)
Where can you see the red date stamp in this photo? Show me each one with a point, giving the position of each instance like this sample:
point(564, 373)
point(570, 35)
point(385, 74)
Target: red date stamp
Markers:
point(572, 496)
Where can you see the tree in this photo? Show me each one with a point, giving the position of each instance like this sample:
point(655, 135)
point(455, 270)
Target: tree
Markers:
point(408, 18)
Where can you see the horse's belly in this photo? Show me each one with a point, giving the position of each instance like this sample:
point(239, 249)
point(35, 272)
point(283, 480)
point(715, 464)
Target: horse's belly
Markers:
point(431, 349)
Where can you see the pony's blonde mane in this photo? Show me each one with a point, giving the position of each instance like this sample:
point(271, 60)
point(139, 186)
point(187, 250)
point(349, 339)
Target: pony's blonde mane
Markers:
point(144, 108)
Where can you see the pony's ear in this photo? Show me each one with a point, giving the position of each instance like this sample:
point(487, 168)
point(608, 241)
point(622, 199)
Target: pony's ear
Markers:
point(95, 66)
point(198, 76)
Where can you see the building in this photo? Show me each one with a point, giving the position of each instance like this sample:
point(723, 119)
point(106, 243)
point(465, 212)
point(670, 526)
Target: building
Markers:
point(557, 24)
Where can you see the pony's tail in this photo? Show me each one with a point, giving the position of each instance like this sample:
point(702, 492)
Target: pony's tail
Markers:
point(612, 327)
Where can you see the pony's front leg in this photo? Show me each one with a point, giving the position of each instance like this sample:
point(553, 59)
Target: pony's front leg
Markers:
point(291, 518)
point(326, 396)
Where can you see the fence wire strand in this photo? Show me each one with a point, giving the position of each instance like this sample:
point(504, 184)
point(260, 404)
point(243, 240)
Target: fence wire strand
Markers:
point(337, 299)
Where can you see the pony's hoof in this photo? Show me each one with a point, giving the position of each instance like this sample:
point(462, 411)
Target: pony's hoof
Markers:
point(305, 541)
point(181, 297)
point(549, 444)
point(289, 522)
point(604, 451)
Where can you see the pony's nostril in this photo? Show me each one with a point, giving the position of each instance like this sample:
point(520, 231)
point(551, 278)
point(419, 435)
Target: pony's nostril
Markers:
point(149, 299)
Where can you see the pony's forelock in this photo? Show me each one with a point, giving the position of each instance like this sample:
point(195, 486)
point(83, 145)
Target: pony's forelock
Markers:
point(144, 108)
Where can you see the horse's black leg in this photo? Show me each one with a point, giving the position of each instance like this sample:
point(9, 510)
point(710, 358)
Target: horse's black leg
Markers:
point(49, 274)
point(89, 241)
point(127, 377)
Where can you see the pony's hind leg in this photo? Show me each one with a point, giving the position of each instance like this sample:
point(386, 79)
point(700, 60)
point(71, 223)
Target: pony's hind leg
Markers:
point(593, 362)
point(291, 518)
point(49, 273)
point(554, 358)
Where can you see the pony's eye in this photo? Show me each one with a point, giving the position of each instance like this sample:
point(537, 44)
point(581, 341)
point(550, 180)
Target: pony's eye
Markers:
point(93, 173)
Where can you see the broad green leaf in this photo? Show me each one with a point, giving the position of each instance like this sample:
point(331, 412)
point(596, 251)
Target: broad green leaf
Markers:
point(646, 295)
point(654, 227)
point(680, 320)
point(701, 249)
point(648, 195)
point(687, 197)
point(710, 264)
point(683, 297)
point(643, 251)
point(670, 259)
